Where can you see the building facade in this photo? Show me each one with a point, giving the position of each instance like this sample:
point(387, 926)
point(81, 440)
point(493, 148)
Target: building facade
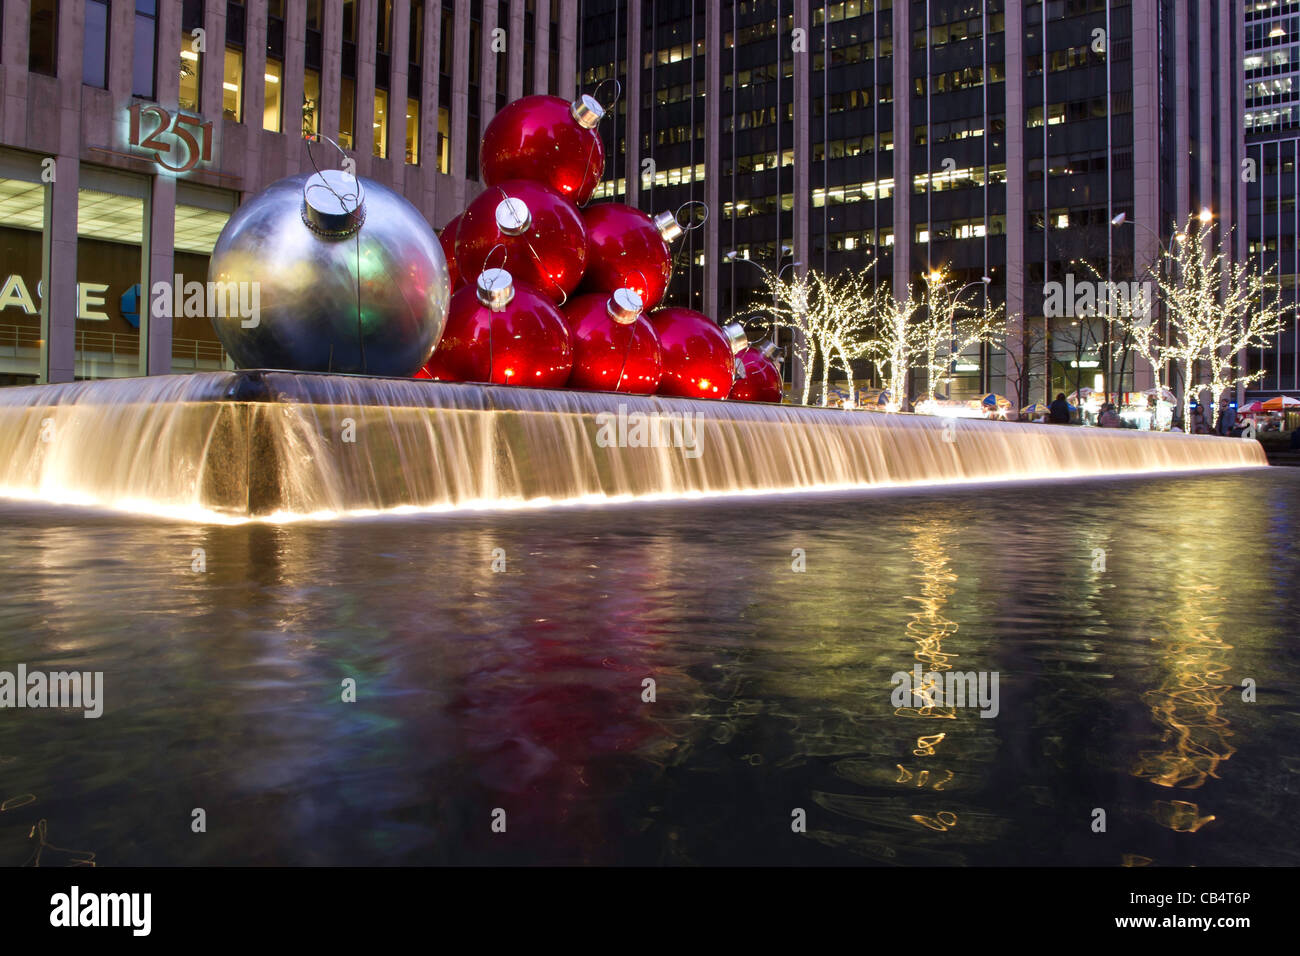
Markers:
point(1271, 63)
point(130, 130)
point(998, 138)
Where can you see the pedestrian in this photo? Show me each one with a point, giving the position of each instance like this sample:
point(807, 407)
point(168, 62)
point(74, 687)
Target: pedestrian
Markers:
point(1109, 418)
point(1227, 417)
point(1059, 410)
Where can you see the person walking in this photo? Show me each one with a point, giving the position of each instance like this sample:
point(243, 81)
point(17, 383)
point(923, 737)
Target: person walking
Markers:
point(1058, 413)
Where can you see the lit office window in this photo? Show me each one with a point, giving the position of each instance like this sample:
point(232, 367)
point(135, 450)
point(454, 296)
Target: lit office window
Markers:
point(381, 123)
point(310, 103)
point(272, 110)
point(444, 137)
point(191, 71)
point(145, 48)
point(43, 37)
point(94, 55)
point(232, 86)
point(347, 111)
point(413, 132)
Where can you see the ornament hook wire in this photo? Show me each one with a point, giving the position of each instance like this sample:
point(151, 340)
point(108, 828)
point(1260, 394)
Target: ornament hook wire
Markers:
point(693, 223)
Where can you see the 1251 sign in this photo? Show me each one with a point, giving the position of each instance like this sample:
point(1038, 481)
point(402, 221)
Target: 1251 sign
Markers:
point(150, 124)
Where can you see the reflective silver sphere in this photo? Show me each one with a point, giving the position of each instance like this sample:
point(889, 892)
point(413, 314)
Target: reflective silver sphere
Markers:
point(349, 278)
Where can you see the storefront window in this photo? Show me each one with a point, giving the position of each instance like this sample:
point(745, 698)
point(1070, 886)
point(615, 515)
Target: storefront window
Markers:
point(145, 50)
point(110, 227)
point(381, 123)
point(94, 57)
point(413, 132)
point(23, 202)
point(347, 111)
point(232, 100)
point(310, 103)
point(271, 112)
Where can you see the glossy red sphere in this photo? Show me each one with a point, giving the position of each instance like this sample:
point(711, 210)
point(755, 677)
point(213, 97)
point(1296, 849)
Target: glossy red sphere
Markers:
point(762, 381)
point(625, 250)
point(609, 356)
point(537, 138)
point(696, 354)
point(447, 239)
point(526, 343)
point(549, 255)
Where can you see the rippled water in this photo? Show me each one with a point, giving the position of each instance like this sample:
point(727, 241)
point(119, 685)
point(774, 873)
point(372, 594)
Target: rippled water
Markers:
point(1120, 686)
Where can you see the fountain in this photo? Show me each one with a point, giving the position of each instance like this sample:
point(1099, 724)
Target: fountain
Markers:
point(279, 445)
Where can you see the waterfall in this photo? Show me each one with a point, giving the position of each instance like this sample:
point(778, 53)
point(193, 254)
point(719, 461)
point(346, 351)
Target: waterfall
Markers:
point(278, 445)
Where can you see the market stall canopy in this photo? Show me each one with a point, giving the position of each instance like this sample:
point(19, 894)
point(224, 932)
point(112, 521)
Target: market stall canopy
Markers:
point(1280, 402)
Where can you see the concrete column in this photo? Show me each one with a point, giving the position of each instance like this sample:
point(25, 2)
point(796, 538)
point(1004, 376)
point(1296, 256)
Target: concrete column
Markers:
point(399, 61)
point(515, 73)
point(121, 50)
point(1015, 192)
point(487, 83)
point(254, 92)
point(568, 37)
point(1205, 104)
point(295, 63)
point(459, 95)
point(59, 273)
point(212, 66)
point(331, 81)
point(430, 70)
point(632, 131)
point(1146, 155)
point(1181, 141)
point(13, 70)
point(157, 264)
point(542, 47)
point(367, 35)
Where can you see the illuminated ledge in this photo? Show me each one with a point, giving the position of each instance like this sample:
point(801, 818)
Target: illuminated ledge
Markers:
point(281, 444)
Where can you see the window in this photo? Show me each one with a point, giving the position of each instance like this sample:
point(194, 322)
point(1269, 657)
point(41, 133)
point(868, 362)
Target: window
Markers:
point(347, 111)
point(43, 37)
point(381, 123)
point(444, 137)
point(350, 21)
point(191, 73)
point(414, 51)
point(272, 111)
point(413, 132)
point(310, 103)
point(385, 26)
point(94, 57)
point(144, 51)
point(313, 14)
point(232, 100)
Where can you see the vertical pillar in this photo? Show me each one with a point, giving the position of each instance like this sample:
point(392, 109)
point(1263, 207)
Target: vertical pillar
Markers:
point(568, 36)
point(1014, 70)
point(399, 57)
point(59, 273)
point(157, 257)
point(903, 148)
point(367, 36)
point(632, 97)
point(459, 95)
point(515, 72)
point(13, 68)
point(295, 63)
point(331, 77)
point(1146, 152)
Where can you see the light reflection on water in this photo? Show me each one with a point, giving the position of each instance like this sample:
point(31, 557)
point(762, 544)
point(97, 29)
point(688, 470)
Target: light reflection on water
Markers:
point(1120, 682)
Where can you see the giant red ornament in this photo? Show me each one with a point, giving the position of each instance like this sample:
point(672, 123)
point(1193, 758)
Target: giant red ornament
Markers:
point(542, 240)
point(697, 354)
point(628, 249)
point(549, 140)
point(503, 332)
point(447, 239)
point(615, 348)
point(762, 378)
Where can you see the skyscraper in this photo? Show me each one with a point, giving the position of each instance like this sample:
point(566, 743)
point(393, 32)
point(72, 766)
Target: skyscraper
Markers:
point(1000, 138)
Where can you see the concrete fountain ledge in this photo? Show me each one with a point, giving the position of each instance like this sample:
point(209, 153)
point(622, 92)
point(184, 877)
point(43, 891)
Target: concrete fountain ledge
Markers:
point(265, 443)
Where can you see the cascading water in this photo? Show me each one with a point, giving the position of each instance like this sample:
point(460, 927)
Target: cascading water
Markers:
point(281, 444)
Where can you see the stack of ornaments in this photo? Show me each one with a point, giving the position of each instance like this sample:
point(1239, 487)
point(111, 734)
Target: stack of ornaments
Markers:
point(548, 294)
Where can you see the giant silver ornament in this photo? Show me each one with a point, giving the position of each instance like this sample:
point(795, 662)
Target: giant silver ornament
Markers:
point(350, 278)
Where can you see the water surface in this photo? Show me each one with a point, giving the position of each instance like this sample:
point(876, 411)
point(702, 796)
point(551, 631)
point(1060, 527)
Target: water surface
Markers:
point(1121, 617)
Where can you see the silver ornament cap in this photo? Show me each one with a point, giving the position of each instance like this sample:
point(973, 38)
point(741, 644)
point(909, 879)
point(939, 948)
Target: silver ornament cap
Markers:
point(668, 226)
point(495, 288)
point(587, 111)
point(333, 203)
point(771, 351)
point(624, 306)
point(513, 217)
point(735, 333)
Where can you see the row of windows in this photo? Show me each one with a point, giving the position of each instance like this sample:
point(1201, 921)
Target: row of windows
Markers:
point(946, 180)
point(1276, 33)
point(967, 78)
point(957, 32)
point(853, 146)
point(1058, 61)
point(1078, 110)
point(960, 229)
point(1275, 61)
